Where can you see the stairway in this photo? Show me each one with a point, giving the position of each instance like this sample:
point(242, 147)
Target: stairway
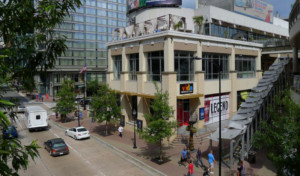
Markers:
point(182, 140)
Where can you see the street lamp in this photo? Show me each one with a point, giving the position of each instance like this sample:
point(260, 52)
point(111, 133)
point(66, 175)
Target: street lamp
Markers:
point(220, 138)
point(78, 116)
point(134, 119)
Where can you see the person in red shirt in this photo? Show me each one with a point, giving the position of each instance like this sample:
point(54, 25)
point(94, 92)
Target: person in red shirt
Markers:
point(190, 168)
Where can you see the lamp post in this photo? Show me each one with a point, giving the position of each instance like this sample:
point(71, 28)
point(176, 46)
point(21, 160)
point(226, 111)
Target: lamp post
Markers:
point(78, 116)
point(220, 138)
point(134, 119)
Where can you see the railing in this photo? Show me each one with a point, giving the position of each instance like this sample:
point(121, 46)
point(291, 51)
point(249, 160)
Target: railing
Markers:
point(294, 14)
point(162, 23)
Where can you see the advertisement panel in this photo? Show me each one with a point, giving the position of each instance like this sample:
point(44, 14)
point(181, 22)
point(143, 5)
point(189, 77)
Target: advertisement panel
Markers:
point(135, 4)
point(186, 88)
point(212, 108)
point(255, 8)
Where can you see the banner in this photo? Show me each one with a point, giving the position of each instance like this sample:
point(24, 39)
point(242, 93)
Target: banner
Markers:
point(257, 9)
point(212, 109)
point(135, 4)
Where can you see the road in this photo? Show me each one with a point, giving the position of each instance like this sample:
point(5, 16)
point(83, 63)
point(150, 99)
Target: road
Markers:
point(87, 157)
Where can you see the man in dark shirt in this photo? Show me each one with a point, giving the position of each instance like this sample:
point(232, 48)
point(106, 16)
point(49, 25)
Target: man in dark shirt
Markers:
point(199, 157)
point(183, 156)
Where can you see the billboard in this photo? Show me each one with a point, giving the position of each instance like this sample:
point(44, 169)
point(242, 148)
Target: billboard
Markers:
point(257, 9)
point(211, 109)
point(136, 4)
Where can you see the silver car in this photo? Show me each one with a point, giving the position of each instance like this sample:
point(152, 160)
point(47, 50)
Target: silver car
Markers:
point(78, 133)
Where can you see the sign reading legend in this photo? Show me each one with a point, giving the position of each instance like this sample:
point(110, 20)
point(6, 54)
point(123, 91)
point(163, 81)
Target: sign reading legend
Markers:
point(186, 88)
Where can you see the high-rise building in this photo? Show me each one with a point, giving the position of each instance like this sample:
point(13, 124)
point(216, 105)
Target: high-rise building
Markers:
point(87, 30)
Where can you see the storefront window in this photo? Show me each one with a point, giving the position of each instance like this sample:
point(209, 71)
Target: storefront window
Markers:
point(245, 66)
point(210, 66)
point(133, 66)
point(155, 66)
point(184, 66)
point(117, 67)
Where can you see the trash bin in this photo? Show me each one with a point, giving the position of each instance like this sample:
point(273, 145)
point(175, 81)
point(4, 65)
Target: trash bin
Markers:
point(252, 157)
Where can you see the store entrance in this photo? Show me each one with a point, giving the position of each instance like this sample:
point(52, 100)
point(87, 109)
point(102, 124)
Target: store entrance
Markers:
point(183, 112)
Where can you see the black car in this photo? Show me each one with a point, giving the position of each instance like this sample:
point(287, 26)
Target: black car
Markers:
point(86, 102)
point(56, 147)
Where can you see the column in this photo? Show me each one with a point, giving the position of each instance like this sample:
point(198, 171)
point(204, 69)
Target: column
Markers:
point(295, 60)
point(233, 78)
point(124, 73)
point(169, 55)
point(109, 74)
point(258, 66)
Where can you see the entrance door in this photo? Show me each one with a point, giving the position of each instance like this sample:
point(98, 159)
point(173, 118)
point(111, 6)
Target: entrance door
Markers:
point(183, 112)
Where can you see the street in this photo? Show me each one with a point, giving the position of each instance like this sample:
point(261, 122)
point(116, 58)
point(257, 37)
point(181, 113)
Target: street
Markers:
point(86, 157)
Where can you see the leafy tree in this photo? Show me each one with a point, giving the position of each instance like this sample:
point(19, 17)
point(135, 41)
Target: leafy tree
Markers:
point(104, 105)
point(159, 124)
point(198, 20)
point(280, 136)
point(92, 87)
point(66, 103)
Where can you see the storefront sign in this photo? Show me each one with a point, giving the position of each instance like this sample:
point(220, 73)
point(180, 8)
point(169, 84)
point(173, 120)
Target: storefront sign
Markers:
point(212, 108)
point(201, 113)
point(186, 88)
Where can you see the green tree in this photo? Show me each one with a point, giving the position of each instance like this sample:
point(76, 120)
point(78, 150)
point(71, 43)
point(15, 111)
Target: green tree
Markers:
point(198, 20)
point(104, 106)
point(159, 124)
point(280, 136)
point(66, 103)
point(92, 87)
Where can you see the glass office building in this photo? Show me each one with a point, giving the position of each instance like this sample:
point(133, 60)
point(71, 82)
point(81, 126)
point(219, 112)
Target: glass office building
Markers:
point(87, 30)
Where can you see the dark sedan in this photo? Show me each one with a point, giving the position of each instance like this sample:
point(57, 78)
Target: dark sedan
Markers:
point(56, 147)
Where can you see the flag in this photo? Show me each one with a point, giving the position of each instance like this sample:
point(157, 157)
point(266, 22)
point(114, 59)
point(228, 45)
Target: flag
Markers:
point(83, 69)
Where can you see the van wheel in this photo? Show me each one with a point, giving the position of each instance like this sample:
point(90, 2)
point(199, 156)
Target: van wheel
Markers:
point(50, 153)
point(75, 137)
point(66, 134)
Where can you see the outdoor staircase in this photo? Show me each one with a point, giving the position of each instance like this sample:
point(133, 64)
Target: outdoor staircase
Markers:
point(182, 140)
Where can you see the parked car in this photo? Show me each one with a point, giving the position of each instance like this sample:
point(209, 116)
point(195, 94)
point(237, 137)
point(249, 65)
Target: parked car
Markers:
point(78, 133)
point(56, 146)
point(10, 132)
point(21, 108)
point(78, 99)
point(86, 102)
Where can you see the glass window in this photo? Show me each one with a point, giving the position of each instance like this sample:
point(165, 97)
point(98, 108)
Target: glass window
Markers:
point(122, 8)
point(155, 65)
point(101, 62)
point(122, 23)
point(79, 18)
point(90, 36)
point(245, 66)
point(90, 28)
point(101, 4)
point(79, 10)
point(79, 27)
point(79, 35)
point(112, 14)
point(110, 29)
point(68, 18)
point(111, 6)
point(91, 45)
point(103, 54)
point(109, 38)
point(78, 53)
point(211, 64)
point(78, 44)
point(112, 22)
point(90, 11)
point(102, 45)
point(69, 44)
point(90, 2)
point(122, 16)
point(102, 29)
point(66, 62)
point(122, 1)
point(91, 53)
point(66, 26)
point(133, 66)
point(184, 66)
point(117, 67)
point(101, 12)
point(101, 20)
point(79, 62)
point(90, 19)
point(112, 0)
point(102, 37)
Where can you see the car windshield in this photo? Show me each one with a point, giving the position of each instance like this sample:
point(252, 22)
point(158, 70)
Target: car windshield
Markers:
point(81, 129)
point(21, 106)
point(59, 145)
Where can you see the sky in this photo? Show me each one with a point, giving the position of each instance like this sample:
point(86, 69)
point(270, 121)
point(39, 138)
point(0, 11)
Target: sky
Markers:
point(282, 6)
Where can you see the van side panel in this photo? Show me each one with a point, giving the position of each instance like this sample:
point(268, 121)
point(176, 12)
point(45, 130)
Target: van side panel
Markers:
point(36, 119)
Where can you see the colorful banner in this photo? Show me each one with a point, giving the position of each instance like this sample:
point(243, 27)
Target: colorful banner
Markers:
point(212, 109)
point(257, 9)
point(135, 4)
point(186, 88)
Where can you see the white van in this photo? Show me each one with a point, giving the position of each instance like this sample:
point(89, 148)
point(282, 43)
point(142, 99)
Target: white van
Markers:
point(36, 118)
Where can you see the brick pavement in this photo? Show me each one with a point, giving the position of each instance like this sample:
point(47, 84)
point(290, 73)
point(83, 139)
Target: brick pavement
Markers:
point(145, 152)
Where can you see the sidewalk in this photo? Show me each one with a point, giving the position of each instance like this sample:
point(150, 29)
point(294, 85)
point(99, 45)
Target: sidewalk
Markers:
point(145, 152)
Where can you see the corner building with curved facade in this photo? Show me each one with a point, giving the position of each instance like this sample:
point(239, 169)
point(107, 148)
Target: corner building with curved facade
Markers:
point(155, 49)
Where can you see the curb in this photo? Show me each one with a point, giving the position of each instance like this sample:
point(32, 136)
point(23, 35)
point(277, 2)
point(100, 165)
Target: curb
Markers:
point(140, 164)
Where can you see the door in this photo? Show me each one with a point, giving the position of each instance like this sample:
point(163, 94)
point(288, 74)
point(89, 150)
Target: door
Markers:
point(183, 112)
point(38, 119)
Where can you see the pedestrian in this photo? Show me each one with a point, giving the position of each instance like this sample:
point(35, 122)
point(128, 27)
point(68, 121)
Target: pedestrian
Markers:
point(56, 115)
point(80, 114)
point(199, 158)
point(190, 168)
point(183, 158)
point(93, 120)
point(241, 169)
point(206, 172)
point(211, 160)
point(120, 129)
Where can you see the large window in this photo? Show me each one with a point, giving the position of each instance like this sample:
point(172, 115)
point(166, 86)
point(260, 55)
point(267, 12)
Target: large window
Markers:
point(210, 65)
point(133, 66)
point(117, 67)
point(245, 66)
point(155, 66)
point(184, 66)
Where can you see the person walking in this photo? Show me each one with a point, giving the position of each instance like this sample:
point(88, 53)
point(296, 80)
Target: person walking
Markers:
point(211, 160)
point(183, 156)
point(190, 168)
point(56, 115)
point(120, 129)
point(199, 158)
point(241, 169)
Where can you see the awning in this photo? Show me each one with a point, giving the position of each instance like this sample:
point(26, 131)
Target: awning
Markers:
point(128, 93)
point(183, 97)
point(146, 96)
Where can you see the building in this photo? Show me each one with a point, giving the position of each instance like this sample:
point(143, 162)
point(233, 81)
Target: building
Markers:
point(164, 45)
point(88, 29)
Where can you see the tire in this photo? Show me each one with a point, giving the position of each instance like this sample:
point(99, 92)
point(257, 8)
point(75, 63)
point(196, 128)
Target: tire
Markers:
point(66, 133)
point(50, 153)
point(75, 137)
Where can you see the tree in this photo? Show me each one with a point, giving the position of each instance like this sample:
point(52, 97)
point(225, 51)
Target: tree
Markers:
point(280, 136)
point(27, 47)
point(104, 106)
point(92, 87)
point(66, 103)
point(159, 124)
point(198, 20)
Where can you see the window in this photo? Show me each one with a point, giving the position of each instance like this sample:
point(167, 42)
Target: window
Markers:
point(133, 66)
point(79, 27)
point(79, 35)
point(79, 10)
point(101, 20)
point(122, 1)
point(245, 66)
point(101, 4)
point(112, 14)
point(79, 18)
point(102, 37)
point(210, 65)
point(184, 66)
point(78, 44)
point(90, 11)
point(122, 8)
point(90, 36)
point(102, 29)
point(155, 65)
point(90, 19)
point(122, 16)
point(65, 26)
point(117, 66)
point(90, 2)
point(112, 6)
point(101, 12)
point(112, 22)
point(90, 28)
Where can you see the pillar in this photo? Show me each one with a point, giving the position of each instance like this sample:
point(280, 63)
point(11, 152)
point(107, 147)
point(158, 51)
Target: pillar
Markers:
point(124, 73)
point(295, 60)
point(233, 78)
point(243, 147)
point(231, 153)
